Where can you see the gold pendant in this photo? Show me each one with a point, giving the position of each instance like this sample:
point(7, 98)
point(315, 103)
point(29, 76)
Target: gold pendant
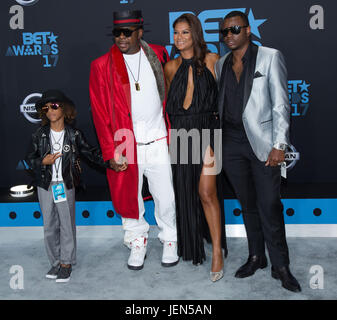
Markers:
point(137, 86)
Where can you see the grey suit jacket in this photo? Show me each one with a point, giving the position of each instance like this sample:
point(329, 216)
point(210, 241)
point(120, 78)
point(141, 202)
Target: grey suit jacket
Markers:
point(266, 110)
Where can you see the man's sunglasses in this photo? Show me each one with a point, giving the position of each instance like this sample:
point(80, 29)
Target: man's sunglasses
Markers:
point(233, 30)
point(127, 32)
point(54, 106)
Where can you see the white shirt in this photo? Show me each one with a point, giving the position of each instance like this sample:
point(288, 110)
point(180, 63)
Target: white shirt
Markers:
point(56, 141)
point(146, 107)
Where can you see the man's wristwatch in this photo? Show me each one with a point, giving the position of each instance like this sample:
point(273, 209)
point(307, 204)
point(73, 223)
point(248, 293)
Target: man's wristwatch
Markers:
point(280, 146)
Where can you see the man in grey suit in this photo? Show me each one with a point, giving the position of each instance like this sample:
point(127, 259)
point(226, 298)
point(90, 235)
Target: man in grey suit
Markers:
point(255, 113)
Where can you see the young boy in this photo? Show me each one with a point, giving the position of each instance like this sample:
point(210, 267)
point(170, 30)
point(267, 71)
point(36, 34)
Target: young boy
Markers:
point(54, 158)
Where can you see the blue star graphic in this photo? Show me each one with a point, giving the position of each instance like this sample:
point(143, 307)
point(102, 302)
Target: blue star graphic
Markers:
point(255, 23)
point(304, 86)
point(52, 38)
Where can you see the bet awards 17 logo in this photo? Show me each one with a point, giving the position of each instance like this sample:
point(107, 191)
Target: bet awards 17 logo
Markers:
point(211, 21)
point(37, 44)
point(298, 97)
point(42, 44)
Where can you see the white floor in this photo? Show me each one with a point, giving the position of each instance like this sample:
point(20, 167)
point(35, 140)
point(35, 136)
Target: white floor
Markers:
point(101, 273)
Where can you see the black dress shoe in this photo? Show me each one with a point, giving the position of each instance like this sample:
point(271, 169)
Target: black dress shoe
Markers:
point(253, 263)
point(288, 280)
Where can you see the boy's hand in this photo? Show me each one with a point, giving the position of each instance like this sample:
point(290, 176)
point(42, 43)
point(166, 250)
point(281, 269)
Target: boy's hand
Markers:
point(51, 158)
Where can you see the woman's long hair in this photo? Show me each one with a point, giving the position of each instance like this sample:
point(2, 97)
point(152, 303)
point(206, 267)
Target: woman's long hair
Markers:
point(199, 44)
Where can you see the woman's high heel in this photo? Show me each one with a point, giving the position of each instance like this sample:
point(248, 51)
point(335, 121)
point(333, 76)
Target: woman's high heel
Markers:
point(215, 276)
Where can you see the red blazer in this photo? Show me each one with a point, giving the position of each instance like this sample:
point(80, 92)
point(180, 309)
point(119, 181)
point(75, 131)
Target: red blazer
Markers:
point(110, 97)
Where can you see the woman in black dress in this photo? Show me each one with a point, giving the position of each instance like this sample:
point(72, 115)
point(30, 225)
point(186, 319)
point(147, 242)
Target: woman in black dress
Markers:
point(192, 106)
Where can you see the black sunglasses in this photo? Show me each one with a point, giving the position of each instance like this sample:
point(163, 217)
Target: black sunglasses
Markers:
point(233, 30)
point(127, 32)
point(54, 106)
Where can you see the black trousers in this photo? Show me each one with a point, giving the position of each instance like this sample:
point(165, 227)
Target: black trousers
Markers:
point(257, 188)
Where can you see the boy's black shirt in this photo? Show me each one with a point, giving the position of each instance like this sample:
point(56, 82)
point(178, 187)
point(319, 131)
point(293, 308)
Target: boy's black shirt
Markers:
point(74, 146)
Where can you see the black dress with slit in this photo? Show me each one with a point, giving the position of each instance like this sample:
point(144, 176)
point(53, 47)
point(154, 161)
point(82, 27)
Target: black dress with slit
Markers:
point(202, 114)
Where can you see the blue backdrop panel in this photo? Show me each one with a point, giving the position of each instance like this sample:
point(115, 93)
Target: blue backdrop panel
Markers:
point(296, 211)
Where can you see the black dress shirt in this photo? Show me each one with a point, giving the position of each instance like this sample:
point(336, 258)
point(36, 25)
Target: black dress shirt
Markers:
point(234, 92)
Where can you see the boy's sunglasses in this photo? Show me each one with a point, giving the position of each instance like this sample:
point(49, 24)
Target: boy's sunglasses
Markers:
point(233, 30)
point(127, 32)
point(54, 106)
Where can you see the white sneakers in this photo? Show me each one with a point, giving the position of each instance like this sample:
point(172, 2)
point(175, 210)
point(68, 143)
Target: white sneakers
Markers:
point(138, 254)
point(170, 257)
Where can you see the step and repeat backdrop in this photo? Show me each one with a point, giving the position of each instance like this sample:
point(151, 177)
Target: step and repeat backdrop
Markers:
point(50, 44)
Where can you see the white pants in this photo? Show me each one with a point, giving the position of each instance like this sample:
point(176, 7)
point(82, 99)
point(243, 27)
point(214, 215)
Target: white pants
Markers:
point(154, 162)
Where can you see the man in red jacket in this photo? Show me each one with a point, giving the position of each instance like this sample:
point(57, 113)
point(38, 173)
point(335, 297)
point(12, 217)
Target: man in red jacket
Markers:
point(127, 92)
